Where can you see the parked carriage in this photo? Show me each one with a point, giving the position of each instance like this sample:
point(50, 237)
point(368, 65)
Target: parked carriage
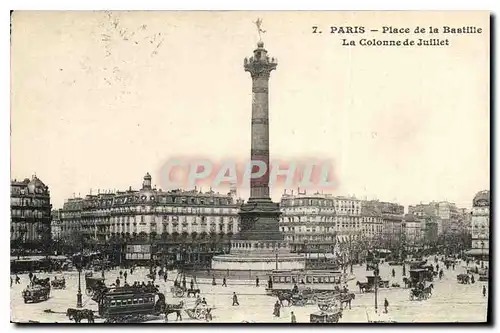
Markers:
point(483, 277)
point(58, 283)
point(93, 284)
point(381, 283)
point(36, 293)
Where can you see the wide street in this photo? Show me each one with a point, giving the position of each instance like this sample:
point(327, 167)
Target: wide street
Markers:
point(450, 301)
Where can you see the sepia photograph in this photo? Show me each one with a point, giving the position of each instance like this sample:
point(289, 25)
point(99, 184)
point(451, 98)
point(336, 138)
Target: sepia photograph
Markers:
point(278, 167)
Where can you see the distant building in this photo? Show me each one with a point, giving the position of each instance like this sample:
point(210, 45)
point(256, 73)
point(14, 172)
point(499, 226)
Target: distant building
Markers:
point(414, 231)
point(30, 214)
point(318, 223)
point(150, 224)
point(446, 214)
point(384, 222)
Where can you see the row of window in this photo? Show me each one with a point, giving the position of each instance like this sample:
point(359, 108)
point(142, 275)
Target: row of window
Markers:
point(308, 279)
point(125, 302)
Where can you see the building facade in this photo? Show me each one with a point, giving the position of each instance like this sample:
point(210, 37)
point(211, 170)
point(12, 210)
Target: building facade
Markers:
point(481, 225)
point(191, 223)
point(413, 229)
point(56, 225)
point(30, 214)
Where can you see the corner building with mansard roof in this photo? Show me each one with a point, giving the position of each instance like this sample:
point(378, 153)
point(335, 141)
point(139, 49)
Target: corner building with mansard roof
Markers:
point(145, 224)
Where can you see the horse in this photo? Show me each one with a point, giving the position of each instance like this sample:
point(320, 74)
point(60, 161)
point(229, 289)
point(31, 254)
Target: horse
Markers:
point(363, 286)
point(174, 308)
point(285, 297)
point(395, 285)
point(193, 292)
point(427, 291)
point(346, 298)
point(416, 293)
point(77, 315)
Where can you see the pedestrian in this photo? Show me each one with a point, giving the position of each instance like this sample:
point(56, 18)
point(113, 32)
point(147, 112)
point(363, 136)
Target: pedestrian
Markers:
point(453, 266)
point(184, 283)
point(393, 273)
point(30, 275)
point(11, 281)
point(257, 281)
point(277, 307)
point(386, 304)
point(235, 299)
point(484, 291)
point(117, 282)
point(131, 270)
point(191, 284)
point(224, 282)
point(472, 279)
point(18, 279)
point(121, 273)
point(102, 273)
point(165, 276)
point(213, 281)
point(125, 275)
point(294, 320)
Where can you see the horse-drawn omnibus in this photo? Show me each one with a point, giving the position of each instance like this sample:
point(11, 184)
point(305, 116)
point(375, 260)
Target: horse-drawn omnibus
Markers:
point(319, 281)
point(132, 302)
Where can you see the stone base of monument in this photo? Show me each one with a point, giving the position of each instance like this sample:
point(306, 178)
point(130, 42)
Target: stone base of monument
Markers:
point(249, 259)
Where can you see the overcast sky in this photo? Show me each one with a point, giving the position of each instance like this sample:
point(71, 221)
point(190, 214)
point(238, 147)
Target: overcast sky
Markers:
point(99, 99)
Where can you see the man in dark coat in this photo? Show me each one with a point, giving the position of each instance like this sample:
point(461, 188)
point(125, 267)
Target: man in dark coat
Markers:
point(235, 299)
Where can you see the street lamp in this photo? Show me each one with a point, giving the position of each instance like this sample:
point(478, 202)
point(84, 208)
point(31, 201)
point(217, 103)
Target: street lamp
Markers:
point(276, 251)
point(482, 254)
point(79, 294)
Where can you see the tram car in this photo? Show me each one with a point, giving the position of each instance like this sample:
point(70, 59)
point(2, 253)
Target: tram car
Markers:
point(118, 304)
point(318, 281)
point(58, 283)
point(36, 293)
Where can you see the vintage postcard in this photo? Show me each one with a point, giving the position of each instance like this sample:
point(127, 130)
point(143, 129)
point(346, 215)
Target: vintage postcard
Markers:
point(250, 167)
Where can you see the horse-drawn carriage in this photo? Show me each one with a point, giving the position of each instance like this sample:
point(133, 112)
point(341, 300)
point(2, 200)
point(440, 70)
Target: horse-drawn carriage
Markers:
point(370, 284)
point(38, 291)
point(130, 305)
point(418, 276)
point(463, 278)
point(93, 284)
point(58, 283)
point(200, 312)
point(483, 277)
point(325, 317)
point(420, 292)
